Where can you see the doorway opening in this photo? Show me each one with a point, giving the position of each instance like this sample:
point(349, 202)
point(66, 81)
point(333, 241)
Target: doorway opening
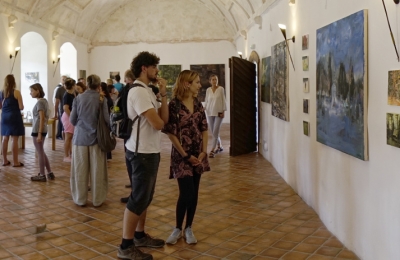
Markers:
point(256, 60)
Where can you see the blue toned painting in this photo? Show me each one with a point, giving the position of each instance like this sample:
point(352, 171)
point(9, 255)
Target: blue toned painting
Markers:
point(342, 85)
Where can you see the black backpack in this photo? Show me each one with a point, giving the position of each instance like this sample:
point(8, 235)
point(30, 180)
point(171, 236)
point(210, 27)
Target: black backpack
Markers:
point(121, 124)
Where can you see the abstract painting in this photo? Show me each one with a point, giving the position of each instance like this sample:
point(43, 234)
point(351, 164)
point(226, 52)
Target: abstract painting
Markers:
point(279, 81)
point(265, 79)
point(82, 74)
point(341, 85)
point(32, 77)
point(304, 42)
point(392, 129)
point(305, 63)
point(170, 73)
point(305, 106)
point(306, 85)
point(306, 128)
point(394, 88)
point(205, 71)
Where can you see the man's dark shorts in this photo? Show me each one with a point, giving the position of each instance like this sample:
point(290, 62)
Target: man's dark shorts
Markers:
point(144, 176)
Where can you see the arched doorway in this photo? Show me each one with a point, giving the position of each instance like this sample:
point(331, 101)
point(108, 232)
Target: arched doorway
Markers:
point(34, 67)
point(68, 60)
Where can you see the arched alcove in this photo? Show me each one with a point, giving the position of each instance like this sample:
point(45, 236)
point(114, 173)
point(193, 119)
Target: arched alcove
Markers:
point(68, 60)
point(33, 67)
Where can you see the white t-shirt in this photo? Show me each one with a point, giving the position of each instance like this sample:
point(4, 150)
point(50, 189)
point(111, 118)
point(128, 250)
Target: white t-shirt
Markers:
point(139, 101)
point(215, 101)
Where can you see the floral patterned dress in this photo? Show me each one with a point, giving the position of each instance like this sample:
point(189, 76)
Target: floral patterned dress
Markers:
point(188, 128)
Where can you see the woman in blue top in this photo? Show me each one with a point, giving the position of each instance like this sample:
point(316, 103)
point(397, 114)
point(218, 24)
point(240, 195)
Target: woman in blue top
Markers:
point(11, 119)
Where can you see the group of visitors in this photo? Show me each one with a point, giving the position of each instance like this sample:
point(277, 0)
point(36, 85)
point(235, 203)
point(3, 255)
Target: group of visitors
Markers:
point(184, 120)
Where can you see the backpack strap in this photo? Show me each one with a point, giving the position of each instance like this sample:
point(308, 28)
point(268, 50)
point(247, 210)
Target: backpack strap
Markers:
point(136, 118)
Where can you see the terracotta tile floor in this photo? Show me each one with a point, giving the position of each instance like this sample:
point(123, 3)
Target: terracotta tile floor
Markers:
point(245, 211)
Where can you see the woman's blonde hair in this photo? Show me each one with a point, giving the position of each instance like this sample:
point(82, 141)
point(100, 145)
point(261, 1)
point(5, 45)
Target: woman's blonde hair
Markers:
point(129, 74)
point(180, 89)
point(109, 82)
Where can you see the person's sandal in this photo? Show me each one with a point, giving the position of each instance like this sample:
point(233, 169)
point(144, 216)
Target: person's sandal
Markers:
point(211, 155)
point(219, 149)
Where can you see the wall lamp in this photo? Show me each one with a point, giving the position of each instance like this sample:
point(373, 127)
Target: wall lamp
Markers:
point(56, 62)
point(15, 56)
point(12, 19)
point(240, 54)
point(283, 30)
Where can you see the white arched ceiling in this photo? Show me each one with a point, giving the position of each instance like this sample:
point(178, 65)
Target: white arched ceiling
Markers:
point(110, 22)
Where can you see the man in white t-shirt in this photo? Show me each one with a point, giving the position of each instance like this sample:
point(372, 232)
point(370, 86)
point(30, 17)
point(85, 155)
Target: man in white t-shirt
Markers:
point(143, 154)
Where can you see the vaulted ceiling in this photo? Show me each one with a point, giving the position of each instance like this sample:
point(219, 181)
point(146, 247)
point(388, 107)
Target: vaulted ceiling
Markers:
point(114, 22)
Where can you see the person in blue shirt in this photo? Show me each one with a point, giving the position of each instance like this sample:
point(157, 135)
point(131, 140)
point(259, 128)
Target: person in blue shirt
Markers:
point(118, 85)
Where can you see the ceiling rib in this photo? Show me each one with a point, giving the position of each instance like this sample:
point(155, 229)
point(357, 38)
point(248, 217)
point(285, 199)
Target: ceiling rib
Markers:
point(251, 6)
point(241, 7)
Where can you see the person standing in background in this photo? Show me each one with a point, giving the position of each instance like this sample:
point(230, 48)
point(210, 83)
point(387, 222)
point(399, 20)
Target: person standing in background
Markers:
point(59, 106)
point(40, 113)
point(11, 119)
point(215, 106)
point(118, 85)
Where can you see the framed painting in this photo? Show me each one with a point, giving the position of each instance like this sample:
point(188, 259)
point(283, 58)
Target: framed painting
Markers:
point(205, 71)
point(305, 106)
point(306, 85)
point(394, 88)
point(170, 73)
point(306, 128)
point(304, 42)
point(82, 74)
point(113, 74)
point(342, 85)
point(392, 129)
point(305, 63)
point(32, 77)
point(279, 81)
point(265, 79)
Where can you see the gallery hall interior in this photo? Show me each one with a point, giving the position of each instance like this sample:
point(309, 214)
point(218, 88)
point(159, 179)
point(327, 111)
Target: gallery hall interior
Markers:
point(310, 135)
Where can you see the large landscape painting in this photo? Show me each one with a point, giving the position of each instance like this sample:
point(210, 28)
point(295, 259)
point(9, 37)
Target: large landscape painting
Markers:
point(265, 81)
point(342, 85)
point(279, 81)
point(205, 71)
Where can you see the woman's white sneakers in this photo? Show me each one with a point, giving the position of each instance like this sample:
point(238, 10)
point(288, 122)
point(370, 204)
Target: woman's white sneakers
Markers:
point(177, 233)
point(173, 238)
point(190, 238)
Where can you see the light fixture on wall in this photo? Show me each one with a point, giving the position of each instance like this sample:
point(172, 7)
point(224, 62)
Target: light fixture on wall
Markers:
point(56, 62)
point(390, 28)
point(15, 56)
point(240, 54)
point(12, 19)
point(283, 30)
point(292, 2)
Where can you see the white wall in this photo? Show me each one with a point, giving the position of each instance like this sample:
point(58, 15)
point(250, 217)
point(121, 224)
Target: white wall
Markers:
point(357, 200)
point(118, 58)
point(11, 38)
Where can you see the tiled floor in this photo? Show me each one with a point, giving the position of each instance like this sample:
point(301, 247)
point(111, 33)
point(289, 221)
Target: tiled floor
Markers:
point(246, 211)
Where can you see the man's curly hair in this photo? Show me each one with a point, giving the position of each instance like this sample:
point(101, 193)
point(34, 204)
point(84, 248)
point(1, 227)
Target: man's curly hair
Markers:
point(144, 58)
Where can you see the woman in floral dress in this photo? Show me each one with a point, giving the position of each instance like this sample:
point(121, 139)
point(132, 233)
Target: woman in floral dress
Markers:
point(187, 130)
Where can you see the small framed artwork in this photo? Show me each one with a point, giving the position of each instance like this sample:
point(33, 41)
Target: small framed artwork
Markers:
point(305, 106)
point(392, 129)
point(306, 128)
point(113, 74)
point(32, 77)
point(305, 63)
point(82, 74)
point(306, 85)
point(304, 42)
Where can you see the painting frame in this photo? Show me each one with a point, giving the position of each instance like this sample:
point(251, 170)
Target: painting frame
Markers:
point(170, 73)
point(265, 79)
point(394, 87)
point(280, 81)
point(306, 85)
point(306, 63)
point(304, 42)
point(205, 71)
point(342, 85)
point(306, 105)
point(306, 128)
point(393, 129)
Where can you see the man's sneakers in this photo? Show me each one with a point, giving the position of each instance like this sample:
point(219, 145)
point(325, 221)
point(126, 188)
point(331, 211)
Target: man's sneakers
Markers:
point(149, 241)
point(133, 253)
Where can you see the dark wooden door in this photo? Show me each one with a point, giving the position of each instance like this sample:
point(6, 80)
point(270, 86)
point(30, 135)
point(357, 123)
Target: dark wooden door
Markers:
point(243, 109)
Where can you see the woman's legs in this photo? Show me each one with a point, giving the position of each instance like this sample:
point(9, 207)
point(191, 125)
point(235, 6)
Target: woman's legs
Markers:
point(187, 201)
point(43, 160)
point(216, 126)
point(5, 148)
point(15, 150)
point(68, 144)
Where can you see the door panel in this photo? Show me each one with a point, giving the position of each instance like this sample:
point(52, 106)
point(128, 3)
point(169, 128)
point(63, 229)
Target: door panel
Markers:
point(242, 106)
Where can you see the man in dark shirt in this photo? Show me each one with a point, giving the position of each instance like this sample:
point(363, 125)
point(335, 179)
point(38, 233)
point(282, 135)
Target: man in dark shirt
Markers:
point(58, 106)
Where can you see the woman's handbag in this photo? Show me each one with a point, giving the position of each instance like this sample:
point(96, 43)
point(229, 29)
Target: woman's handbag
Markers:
point(105, 138)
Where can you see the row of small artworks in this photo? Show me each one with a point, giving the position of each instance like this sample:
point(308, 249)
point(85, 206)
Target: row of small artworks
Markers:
point(306, 85)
